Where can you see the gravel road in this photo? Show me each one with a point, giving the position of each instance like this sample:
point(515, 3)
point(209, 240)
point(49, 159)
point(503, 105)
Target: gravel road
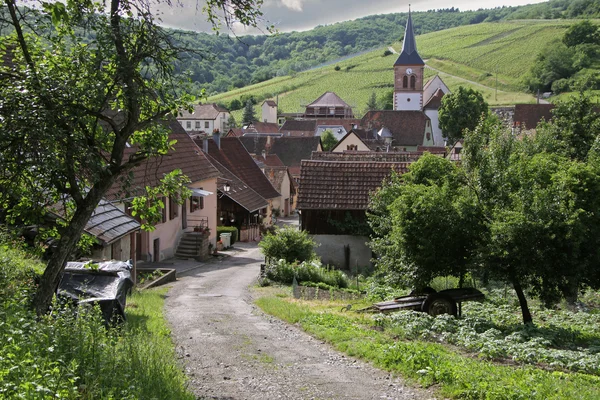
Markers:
point(232, 350)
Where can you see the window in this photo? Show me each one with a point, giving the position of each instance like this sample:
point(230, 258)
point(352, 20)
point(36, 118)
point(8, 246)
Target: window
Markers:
point(352, 147)
point(405, 82)
point(188, 125)
point(206, 124)
point(173, 208)
point(196, 203)
point(197, 124)
point(164, 209)
point(413, 82)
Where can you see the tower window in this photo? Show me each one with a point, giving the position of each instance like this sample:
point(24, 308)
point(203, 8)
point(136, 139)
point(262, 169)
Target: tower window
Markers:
point(405, 82)
point(413, 81)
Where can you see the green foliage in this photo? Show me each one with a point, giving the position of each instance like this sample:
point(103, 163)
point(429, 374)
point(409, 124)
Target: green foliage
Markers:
point(328, 140)
point(289, 244)
point(350, 225)
point(372, 102)
point(557, 64)
point(73, 355)
point(249, 115)
point(228, 229)
point(461, 110)
point(430, 364)
point(580, 33)
point(486, 216)
point(564, 340)
point(308, 271)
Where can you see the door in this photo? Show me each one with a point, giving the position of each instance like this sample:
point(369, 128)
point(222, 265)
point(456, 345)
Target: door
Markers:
point(184, 215)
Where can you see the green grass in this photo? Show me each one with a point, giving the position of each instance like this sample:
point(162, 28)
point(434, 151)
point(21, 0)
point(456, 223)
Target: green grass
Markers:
point(454, 373)
point(74, 355)
point(475, 52)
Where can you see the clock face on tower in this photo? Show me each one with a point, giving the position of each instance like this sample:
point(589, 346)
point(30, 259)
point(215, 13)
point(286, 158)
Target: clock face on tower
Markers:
point(409, 71)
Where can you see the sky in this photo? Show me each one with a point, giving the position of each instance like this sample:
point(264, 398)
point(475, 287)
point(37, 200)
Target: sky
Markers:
point(298, 15)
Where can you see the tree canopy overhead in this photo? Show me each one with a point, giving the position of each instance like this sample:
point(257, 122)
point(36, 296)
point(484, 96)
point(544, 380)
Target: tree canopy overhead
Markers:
point(77, 114)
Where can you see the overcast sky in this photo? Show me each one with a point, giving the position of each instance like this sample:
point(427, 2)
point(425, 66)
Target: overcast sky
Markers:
point(290, 15)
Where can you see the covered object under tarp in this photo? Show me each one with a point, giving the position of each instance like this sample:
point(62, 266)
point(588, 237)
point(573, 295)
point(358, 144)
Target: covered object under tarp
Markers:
point(105, 283)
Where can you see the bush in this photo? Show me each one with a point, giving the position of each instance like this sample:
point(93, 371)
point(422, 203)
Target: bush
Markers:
point(337, 68)
point(289, 244)
point(306, 272)
point(387, 52)
point(228, 229)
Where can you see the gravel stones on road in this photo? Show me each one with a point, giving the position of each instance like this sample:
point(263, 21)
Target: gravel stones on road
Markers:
point(231, 350)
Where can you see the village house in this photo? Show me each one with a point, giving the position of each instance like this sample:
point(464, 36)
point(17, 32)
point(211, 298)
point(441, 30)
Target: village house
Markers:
point(333, 199)
point(199, 211)
point(232, 155)
point(290, 150)
point(281, 179)
point(204, 118)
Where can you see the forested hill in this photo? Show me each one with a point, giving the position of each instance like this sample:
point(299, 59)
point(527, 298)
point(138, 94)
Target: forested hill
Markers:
point(234, 63)
point(221, 63)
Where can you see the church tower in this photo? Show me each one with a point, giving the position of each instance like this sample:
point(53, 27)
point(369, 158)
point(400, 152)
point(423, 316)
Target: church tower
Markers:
point(408, 74)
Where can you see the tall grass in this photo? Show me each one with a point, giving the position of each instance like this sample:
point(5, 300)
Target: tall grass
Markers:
point(308, 271)
point(73, 355)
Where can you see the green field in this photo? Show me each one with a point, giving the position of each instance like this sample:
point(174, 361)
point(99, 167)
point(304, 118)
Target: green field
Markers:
point(483, 56)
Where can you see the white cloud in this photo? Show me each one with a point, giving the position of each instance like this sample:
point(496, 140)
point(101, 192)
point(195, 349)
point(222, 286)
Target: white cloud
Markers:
point(295, 5)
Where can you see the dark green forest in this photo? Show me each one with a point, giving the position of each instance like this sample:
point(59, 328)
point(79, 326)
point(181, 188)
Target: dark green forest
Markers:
point(221, 63)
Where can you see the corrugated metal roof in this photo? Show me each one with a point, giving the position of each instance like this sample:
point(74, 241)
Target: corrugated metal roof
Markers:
point(108, 223)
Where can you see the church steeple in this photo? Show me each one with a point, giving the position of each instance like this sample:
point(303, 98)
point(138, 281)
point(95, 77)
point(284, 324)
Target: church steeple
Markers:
point(409, 72)
point(409, 55)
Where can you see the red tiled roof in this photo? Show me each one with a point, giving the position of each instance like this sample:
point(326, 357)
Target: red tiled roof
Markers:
point(302, 127)
point(435, 101)
point(272, 160)
point(329, 99)
point(372, 156)
point(202, 111)
point(239, 192)
point(407, 127)
point(236, 132)
point(290, 150)
point(528, 116)
point(234, 156)
point(261, 127)
point(342, 185)
point(185, 156)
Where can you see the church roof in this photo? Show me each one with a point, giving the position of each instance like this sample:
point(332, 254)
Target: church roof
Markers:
point(409, 55)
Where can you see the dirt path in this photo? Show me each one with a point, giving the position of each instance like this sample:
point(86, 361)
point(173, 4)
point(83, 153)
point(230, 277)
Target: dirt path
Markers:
point(234, 351)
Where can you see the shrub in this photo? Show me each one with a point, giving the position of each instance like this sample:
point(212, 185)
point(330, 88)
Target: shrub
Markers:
point(289, 244)
point(306, 272)
point(387, 52)
point(337, 68)
point(228, 229)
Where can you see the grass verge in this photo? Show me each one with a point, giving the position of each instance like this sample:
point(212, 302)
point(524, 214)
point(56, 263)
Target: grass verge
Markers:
point(72, 355)
point(457, 375)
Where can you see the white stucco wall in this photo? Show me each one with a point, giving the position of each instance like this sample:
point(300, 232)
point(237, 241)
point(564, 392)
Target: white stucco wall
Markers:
point(438, 136)
point(331, 250)
point(269, 114)
point(408, 101)
point(350, 140)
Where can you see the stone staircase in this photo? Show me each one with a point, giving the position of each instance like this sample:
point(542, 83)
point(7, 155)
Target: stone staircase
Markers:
point(192, 245)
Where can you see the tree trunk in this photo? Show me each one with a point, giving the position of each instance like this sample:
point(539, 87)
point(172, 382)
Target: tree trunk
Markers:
point(69, 238)
point(523, 303)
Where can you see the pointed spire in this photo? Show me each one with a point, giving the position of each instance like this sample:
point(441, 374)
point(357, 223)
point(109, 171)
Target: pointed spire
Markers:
point(409, 54)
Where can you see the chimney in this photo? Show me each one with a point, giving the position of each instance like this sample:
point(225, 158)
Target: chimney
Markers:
point(217, 138)
point(205, 144)
point(264, 154)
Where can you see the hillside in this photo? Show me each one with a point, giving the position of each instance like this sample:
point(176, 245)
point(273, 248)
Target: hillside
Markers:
point(468, 55)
